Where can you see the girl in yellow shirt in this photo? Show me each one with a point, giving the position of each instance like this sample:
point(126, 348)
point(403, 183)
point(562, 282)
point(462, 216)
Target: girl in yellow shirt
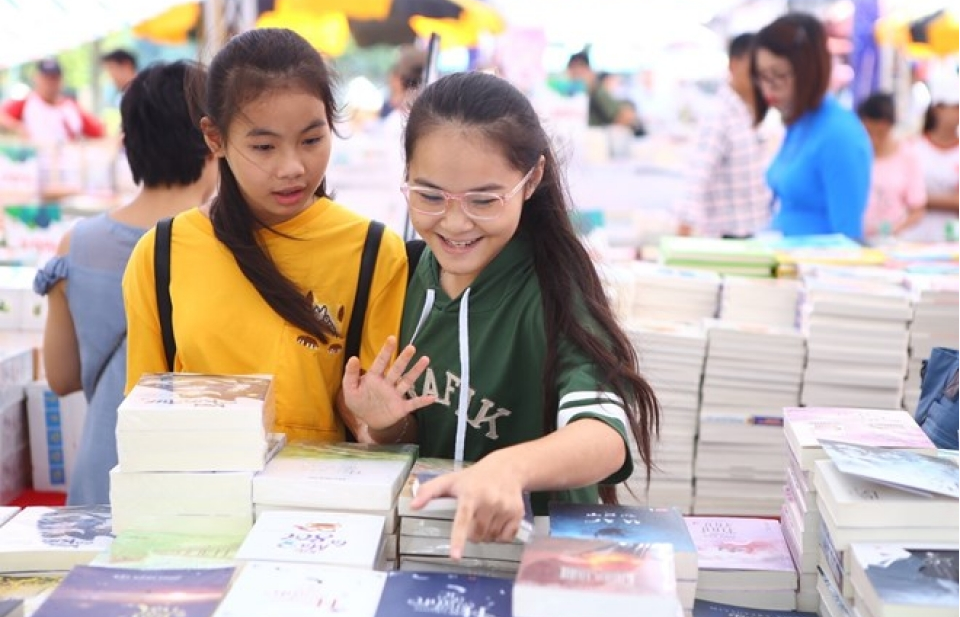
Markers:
point(263, 280)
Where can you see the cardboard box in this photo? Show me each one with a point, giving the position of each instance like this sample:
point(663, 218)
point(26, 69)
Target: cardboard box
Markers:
point(55, 425)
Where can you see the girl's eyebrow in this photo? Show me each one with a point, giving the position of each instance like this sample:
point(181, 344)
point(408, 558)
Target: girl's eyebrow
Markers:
point(485, 188)
point(263, 132)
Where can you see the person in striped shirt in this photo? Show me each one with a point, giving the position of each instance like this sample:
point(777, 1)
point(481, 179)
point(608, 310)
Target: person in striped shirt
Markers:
point(725, 192)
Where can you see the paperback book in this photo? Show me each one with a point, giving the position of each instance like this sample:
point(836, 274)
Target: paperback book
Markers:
point(444, 508)
point(741, 553)
point(119, 592)
point(201, 402)
point(162, 550)
point(345, 476)
point(43, 538)
point(703, 608)
point(413, 594)
point(577, 576)
point(897, 579)
point(302, 590)
point(332, 538)
point(901, 469)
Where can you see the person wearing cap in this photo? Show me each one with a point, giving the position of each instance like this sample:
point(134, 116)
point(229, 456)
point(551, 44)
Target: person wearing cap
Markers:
point(46, 116)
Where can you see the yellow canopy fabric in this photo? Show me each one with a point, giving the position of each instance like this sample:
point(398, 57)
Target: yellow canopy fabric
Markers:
point(936, 34)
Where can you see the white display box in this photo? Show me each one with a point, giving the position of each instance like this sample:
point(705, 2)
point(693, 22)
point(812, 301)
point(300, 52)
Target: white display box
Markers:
point(56, 425)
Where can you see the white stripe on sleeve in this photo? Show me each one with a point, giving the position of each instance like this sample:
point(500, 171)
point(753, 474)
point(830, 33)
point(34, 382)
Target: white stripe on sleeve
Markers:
point(610, 411)
point(583, 395)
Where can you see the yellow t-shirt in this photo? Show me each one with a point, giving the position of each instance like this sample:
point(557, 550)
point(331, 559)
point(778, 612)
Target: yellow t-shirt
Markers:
point(223, 326)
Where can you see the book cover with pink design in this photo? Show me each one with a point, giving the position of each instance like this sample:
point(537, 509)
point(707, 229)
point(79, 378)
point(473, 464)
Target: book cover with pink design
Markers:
point(804, 427)
point(727, 543)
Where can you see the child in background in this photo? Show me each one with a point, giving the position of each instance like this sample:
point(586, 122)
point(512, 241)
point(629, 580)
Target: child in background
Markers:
point(897, 191)
point(529, 373)
point(85, 340)
point(264, 280)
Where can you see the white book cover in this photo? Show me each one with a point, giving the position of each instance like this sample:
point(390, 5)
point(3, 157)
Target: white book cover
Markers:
point(853, 502)
point(344, 475)
point(54, 538)
point(907, 471)
point(330, 538)
point(7, 513)
point(198, 402)
point(302, 590)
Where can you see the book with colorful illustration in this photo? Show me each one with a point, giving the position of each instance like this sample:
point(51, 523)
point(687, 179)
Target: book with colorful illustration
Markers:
point(577, 576)
point(636, 524)
point(413, 594)
point(201, 402)
point(119, 592)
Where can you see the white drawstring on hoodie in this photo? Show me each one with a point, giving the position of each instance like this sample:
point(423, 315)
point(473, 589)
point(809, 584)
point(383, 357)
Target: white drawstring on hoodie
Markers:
point(463, 327)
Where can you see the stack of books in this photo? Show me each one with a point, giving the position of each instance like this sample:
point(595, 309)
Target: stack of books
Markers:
point(636, 525)
point(188, 447)
point(936, 315)
point(578, 576)
point(770, 302)
point(424, 544)
point(661, 293)
point(671, 359)
point(344, 477)
point(733, 257)
point(743, 562)
point(752, 373)
point(857, 342)
point(870, 494)
point(804, 428)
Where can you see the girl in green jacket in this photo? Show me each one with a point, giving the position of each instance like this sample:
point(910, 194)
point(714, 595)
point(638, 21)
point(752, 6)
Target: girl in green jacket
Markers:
point(520, 364)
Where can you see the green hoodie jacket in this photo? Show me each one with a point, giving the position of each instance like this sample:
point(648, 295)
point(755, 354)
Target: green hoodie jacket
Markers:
point(505, 335)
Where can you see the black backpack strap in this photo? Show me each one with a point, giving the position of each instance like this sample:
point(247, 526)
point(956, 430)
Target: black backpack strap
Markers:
point(368, 263)
point(161, 274)
point(414, 251)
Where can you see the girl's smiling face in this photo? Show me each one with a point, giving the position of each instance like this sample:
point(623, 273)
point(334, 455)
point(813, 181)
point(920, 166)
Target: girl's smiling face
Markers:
point(458, 159)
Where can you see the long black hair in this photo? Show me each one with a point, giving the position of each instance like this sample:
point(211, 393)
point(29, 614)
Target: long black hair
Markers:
point(505, 116)
point(250, 65)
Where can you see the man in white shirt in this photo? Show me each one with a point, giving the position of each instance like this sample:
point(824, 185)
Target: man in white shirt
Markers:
point(725, 192)
point(46, 116)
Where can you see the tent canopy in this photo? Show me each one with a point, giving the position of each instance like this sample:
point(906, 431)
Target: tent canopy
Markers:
point(32, 29)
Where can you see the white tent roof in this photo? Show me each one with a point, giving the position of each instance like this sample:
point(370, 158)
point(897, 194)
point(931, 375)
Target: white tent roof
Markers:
point(32, 29)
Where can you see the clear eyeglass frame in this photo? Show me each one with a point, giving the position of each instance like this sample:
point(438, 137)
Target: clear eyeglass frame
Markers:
point(477, 205)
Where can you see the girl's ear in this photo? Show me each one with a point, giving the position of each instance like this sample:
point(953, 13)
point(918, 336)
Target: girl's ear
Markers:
point(535, 178)
point(213, 137)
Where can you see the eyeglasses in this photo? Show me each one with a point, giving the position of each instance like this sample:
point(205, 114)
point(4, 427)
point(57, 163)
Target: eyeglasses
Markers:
point(479, 206)
point(774, 81)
